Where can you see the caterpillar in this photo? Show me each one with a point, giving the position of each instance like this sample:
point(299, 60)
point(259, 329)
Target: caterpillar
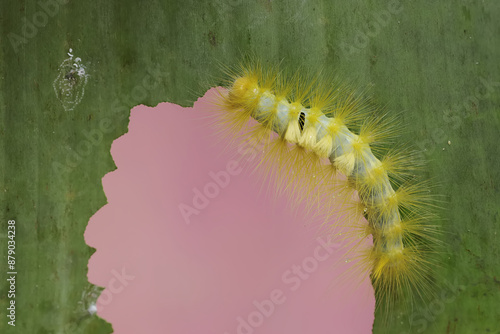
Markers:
point(326, 146)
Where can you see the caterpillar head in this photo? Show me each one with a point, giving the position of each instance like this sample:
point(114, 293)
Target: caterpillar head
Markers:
point(243, 89)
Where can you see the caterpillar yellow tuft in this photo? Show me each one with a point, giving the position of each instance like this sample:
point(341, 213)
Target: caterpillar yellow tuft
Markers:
point(326, 146)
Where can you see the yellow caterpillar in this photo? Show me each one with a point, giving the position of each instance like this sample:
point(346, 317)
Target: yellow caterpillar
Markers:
point(322, 144)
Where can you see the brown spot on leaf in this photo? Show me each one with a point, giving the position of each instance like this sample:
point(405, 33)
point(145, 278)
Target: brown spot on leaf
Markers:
point(211, 38)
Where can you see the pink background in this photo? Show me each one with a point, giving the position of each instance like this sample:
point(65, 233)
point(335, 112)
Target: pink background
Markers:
point(204, 277)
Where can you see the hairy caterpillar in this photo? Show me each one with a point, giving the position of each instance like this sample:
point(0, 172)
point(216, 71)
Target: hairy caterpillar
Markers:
point(323, 145)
